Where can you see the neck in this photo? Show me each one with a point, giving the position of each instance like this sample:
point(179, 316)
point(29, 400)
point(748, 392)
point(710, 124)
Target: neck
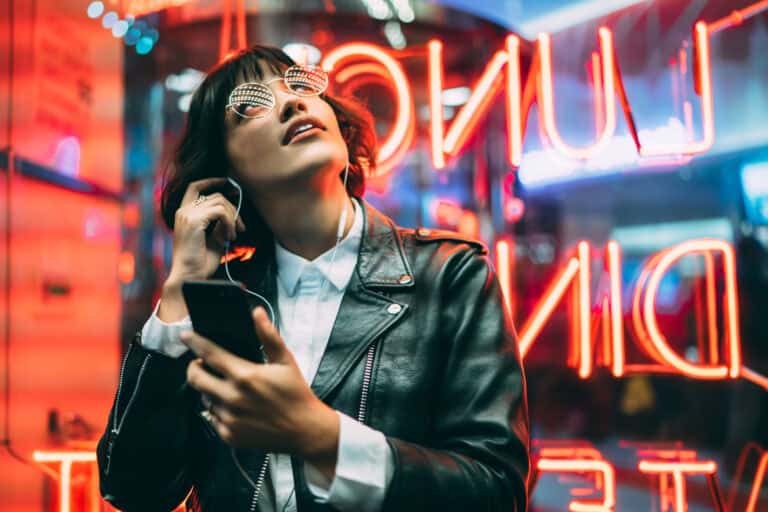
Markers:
point(306, 220)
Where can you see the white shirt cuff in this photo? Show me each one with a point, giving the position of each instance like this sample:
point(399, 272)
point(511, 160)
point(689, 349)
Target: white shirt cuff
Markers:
point(162, 336)
point(364, 469)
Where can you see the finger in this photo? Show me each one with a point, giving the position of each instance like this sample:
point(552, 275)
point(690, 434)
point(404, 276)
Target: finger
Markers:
point(212, 387)
point(217, 200)
point(196, 187)
point(214, 356)
point(223, 414)
point(274, 346)
point(219, 212)
point(223, 431)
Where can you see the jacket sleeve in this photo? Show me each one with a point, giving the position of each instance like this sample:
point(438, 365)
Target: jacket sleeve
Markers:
point(478, 458)
point(144, 456)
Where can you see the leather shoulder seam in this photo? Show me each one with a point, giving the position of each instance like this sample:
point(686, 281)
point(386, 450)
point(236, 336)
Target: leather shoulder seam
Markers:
point(427, 235)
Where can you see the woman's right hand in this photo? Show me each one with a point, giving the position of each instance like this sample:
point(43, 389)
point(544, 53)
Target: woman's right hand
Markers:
point(200, 234)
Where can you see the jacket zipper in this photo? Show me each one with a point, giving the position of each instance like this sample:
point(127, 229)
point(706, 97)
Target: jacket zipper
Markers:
point(361, 412)
point(259, 483)
point(120, 387)
point(367, 373)
point(115, 425)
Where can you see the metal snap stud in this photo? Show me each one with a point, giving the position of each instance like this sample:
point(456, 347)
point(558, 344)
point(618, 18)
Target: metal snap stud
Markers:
point(394, 309)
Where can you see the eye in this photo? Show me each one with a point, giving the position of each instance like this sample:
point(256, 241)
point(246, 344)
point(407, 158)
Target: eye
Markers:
point(306, 80)
point(305, 89)
point(251, 110)
point(251, 100)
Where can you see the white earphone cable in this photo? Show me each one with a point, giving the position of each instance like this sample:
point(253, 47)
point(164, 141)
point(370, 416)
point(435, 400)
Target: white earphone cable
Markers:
point(339, 235)
point(235, 184)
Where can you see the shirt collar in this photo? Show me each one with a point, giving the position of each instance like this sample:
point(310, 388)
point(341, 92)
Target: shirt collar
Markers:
point(291, 266)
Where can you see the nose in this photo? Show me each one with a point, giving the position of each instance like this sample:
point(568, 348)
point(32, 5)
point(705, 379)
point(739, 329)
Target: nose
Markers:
point(291, 105)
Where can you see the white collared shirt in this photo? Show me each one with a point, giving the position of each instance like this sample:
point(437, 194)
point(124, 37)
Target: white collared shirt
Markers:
point(365, 462)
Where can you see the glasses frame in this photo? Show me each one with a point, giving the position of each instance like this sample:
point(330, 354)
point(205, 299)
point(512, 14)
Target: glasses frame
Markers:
point(267, 89)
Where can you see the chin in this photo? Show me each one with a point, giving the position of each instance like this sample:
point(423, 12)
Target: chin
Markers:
point(317, 156)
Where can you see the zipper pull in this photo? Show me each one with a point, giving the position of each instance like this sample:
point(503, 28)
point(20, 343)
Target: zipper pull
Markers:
point(110, 446)
point(111, 441)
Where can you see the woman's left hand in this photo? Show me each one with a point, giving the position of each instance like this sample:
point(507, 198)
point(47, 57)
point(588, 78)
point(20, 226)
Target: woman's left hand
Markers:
point(264, 406)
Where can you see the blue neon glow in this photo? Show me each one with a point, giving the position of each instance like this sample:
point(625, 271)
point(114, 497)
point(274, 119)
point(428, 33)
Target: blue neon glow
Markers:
point(109, 19)
point(95, 9)
point(754, 179)
point(144, 45)
point(120, 28)
point(132, 36)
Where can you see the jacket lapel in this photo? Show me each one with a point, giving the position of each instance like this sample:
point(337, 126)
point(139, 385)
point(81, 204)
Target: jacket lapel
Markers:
point(365, 313)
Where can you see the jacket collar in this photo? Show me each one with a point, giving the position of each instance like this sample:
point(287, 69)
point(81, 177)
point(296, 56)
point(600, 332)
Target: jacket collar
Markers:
point(382, 261)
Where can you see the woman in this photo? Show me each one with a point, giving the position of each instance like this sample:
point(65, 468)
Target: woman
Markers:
point(393, 379)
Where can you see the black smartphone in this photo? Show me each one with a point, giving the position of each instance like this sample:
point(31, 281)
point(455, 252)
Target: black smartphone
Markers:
point(220, 311)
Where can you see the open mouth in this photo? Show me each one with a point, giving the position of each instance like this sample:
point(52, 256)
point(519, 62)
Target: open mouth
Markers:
point(302, 129)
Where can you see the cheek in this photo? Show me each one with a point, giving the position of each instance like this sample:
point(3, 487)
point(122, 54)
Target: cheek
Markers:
point(245, 142)
point(332, 123)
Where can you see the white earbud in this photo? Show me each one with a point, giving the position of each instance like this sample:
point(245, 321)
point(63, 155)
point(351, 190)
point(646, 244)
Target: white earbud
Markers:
point(343, 219)
point(239, 197)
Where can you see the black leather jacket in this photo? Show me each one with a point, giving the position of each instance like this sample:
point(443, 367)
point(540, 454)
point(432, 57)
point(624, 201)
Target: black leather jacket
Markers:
point(421, 350)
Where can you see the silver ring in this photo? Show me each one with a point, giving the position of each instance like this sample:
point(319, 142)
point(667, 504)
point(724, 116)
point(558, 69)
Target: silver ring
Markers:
point(200, 199)
point(209, 416)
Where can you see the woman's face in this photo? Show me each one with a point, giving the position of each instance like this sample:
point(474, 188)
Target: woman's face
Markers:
point(277, 149)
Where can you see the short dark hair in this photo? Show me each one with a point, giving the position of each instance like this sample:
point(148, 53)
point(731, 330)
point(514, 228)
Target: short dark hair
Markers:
point(201, 151)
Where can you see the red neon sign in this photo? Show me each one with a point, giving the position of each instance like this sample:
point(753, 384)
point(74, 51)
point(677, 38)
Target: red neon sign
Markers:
point(65, 459)
point(504, 260)
point(404, 110)
point(557, 457)
point(660, 350)
point(613, 262)
point(605, 476)
point(704, 82)
point(677, 470)
point(577, 266)
point(757, 482)
point(479, 101)
point(606, 91)
point(575, 274)
point(607, 84)
point(503, 71)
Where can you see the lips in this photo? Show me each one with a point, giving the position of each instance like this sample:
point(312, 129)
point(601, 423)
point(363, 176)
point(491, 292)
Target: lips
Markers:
point(301, 125)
